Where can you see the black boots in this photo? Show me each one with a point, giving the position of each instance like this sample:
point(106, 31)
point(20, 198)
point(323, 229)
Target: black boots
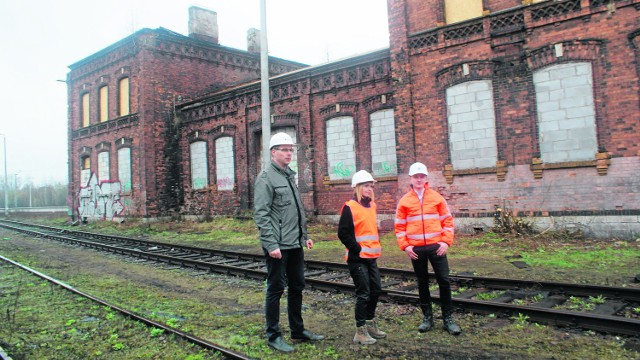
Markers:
point(427, 319)
point(449, 324)
point(447, 319)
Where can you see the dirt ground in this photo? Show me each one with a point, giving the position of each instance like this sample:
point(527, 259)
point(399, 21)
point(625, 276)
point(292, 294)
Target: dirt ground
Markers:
point(229, 310)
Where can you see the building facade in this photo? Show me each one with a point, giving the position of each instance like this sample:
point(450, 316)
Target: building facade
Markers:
point(530, 107)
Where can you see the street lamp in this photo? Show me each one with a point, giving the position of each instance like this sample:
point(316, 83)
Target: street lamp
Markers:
point(6, 182)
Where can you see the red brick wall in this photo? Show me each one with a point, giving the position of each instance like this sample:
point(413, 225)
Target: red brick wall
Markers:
point(164, 69)
point(509, 60)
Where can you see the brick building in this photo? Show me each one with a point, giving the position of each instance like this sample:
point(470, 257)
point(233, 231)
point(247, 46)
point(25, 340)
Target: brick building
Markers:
point(529, 106)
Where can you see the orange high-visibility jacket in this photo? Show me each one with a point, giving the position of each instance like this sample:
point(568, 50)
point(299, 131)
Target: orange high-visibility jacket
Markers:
point(366, 230)
point(423, 224)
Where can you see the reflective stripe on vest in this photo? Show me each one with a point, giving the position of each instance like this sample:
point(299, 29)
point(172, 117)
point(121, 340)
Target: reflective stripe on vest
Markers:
point(366, 230)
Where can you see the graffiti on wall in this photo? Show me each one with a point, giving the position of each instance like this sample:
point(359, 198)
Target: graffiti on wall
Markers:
point(99, 200)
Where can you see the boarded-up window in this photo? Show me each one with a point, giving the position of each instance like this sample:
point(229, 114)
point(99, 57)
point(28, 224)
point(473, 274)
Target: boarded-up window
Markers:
point(103, 166)
point(124, 96)
point(225, 168)
point(85, 171)
point(199, 168)
point(383, 143)
point(461, 10)
point(104, 104)
point(86, 120)
point(566, 112)
point(341, 148)
point(472, 125)
point(124, 169)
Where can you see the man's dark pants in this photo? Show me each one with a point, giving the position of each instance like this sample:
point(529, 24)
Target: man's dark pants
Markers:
point(287, 271)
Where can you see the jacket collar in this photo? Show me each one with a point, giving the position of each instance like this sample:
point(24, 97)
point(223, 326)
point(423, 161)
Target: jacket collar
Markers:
point(286, 171)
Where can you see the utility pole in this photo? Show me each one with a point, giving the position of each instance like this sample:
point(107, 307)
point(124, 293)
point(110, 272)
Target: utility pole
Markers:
point(6, 181)
point(264, 86)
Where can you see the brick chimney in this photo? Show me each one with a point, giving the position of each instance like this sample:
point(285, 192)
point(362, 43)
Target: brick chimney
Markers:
point(253, 40)
point(203, 24)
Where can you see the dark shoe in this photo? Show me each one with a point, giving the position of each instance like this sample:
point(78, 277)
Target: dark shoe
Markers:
point(307, 336)
point(451, 326)
point(427, 318)
point(427, 324)
point(279, 344)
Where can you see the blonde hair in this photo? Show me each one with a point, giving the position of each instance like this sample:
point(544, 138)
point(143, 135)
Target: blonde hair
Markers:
point(357, 192)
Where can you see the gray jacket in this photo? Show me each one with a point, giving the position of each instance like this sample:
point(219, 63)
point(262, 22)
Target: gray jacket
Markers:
point(278, 210)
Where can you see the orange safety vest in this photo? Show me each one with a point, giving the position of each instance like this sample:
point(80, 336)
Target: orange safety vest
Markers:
point(426, 223)
point(366, 230)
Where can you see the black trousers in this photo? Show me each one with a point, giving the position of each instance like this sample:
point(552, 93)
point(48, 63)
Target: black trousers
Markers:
point(440, 266)
point(366, 279)
point(287, 271)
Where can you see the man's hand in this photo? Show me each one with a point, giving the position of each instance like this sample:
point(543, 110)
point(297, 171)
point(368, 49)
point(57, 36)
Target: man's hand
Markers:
point(442, 250)
point(412, 255)
point(309, 244)
point(276, 254)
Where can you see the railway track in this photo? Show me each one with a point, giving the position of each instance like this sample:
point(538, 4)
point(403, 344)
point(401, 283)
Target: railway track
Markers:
point(227, 353)
point(552, 303)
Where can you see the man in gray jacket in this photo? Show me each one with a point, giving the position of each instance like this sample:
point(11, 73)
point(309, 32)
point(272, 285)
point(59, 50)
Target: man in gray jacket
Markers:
point(280, 217)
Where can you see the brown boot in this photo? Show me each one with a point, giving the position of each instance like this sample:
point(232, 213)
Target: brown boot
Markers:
point(374, 332)
point(362, 336)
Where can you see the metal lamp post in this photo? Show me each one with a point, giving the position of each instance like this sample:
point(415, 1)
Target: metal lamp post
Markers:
point(6, 182)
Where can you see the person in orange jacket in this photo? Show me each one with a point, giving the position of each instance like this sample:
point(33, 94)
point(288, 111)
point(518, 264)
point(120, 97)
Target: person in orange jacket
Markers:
point(424, 231)
point(358, 231)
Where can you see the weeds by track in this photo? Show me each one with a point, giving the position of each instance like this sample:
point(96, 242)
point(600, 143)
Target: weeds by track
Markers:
point(561, 304)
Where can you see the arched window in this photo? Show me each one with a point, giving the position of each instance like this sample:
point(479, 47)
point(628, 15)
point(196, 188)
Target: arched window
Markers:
point(341, 157)
point(103, 166)
point(225, 167)
point(86, 113)
point(566, 112)
point(124, 169)
point(123, 89)
point(199, 168)
point(104, 103)
point(383, 143)
point(472, 125)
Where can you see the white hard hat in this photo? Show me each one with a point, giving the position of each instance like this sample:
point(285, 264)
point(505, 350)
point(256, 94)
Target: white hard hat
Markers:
point(280, 139)
point(360, 177)
point(418, 168)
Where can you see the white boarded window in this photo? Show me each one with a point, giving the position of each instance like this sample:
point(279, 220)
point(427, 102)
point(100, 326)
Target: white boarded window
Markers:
point(341, 148)
point(199, 169)
point(566, 113)
point(103, 166)
point(124, 169)
point(472, 125)
point(225, 169)
point(383, 143)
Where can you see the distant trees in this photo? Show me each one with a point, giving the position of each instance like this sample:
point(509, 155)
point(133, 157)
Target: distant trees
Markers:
point(29, 195)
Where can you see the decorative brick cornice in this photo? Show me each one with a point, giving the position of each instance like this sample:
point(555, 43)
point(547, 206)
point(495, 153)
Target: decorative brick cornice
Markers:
point(378, 101)
point(472, 70)
point(223, 130)
point(344, 107)
point(124, 142)
point(572, 50)
point(117, 123)
point(103, 146)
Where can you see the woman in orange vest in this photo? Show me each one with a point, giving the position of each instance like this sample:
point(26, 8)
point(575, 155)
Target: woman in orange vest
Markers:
point(358, 231)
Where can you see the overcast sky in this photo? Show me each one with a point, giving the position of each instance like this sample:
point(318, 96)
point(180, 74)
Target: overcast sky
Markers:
point(40, 39)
